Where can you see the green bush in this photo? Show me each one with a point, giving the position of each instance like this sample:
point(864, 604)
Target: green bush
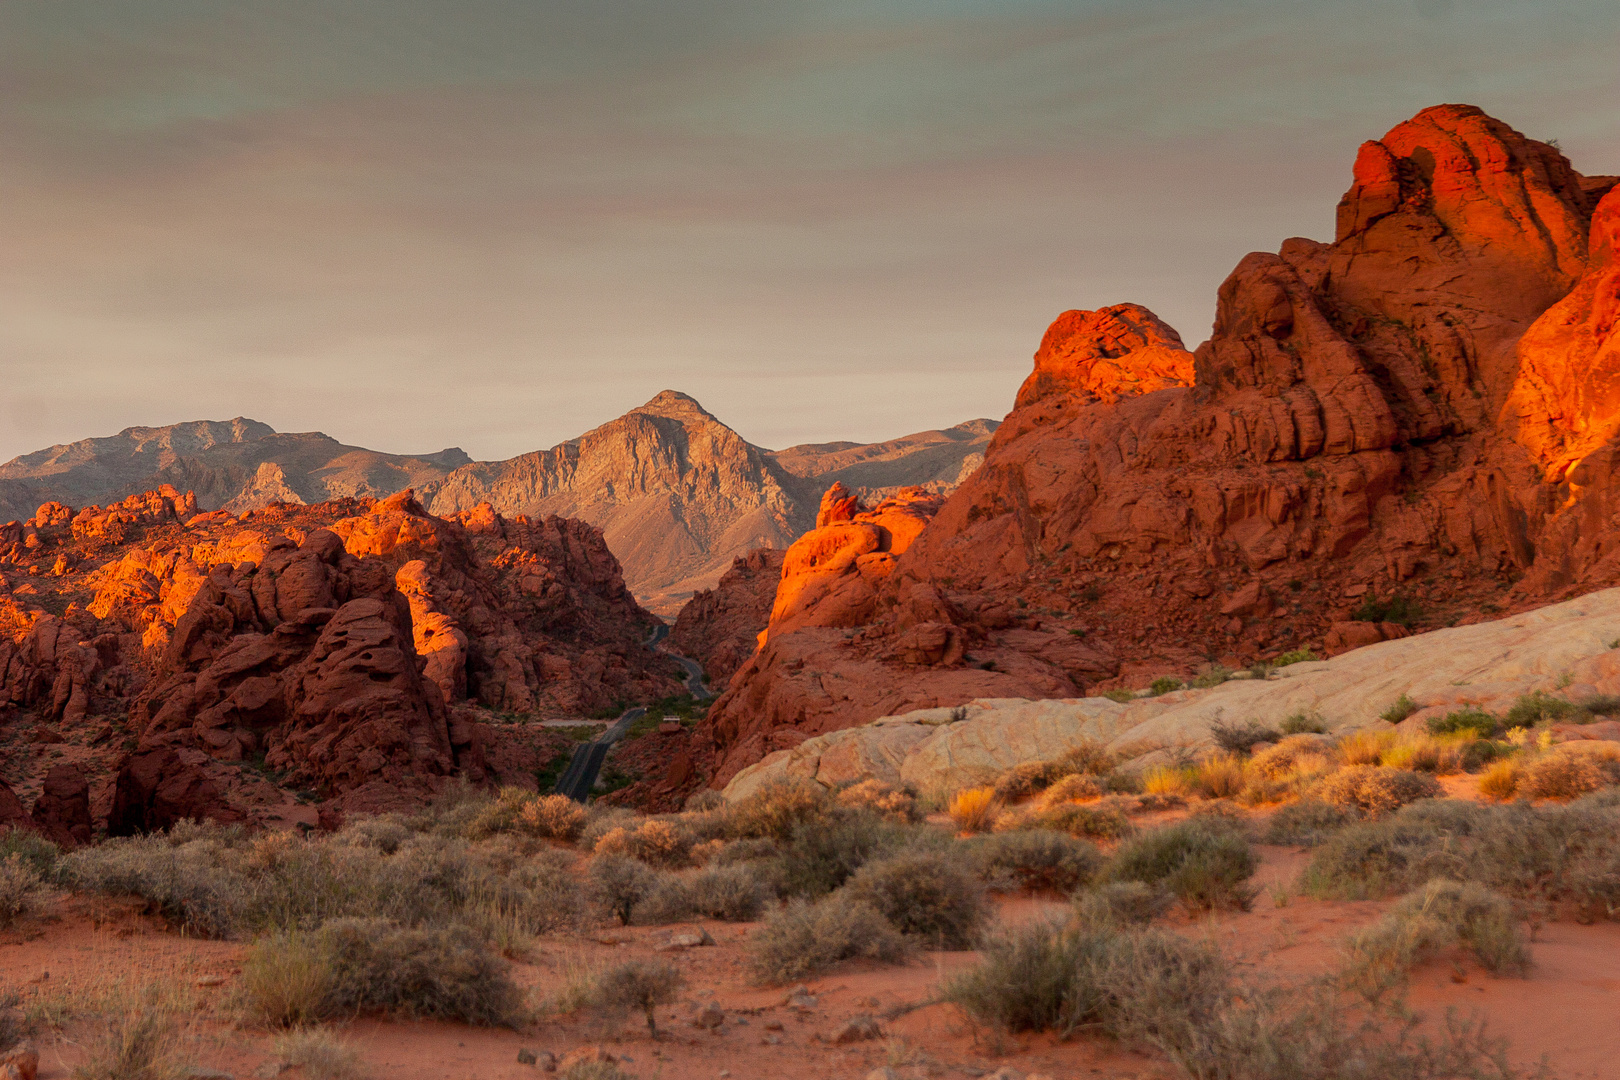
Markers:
point(1302, 723)
point(1295, 656)
point(804, 939)
point(1396, 609)
point(1438, 915)
point(922, 894)
point(1165, 684)
point(33, 848)
point(1399, 710)
point(1214, 675)
point(1538, 707)
point(1474, 720)
point(1204, 863)
point(1037, 859)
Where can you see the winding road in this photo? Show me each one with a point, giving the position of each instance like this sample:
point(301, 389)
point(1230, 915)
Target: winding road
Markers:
point(579, 778)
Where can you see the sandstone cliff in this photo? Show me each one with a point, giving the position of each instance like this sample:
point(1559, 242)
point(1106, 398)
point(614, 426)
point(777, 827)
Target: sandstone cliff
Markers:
point(1419, 410)
point(340, 647)
point(237, 464)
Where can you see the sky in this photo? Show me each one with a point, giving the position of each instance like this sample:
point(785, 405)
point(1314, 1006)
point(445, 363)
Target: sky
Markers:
point(495, 224)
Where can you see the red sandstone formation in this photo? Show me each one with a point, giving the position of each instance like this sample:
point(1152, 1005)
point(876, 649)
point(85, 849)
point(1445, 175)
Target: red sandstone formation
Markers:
point(720, 627)
point(1424, 406)
point(342, 645)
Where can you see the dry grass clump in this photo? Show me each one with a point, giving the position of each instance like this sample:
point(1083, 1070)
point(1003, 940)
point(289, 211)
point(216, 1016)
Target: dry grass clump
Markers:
point(1122, 903)
point(804, 939)
point(1180, 998)
point(1364, 747)
point(1500, 780)
point(353, 966)
point(1220, 776)
point(1037, 860)
point(656, 842)
point(973, 810)
point(1298, 758)
point(729, 893)
point(1100, 821)
point(922, 894)
point(18, 883)
point(1422, 923)
point(1308, 822)
point(1567, 774)
point(1203, 862)
point(551, 817)
point(1170, 780)
point(320, 1054)
point(641, 985)
point(140, 1040)
point(1088, 757)
point(1374, 790)
point(894, 803)
point(1076, 787)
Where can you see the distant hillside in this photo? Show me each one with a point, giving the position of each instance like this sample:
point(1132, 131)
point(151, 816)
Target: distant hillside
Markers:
point(236, 465)
point(677, 493)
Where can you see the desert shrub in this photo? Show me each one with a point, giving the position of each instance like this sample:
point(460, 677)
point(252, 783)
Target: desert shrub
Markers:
point(1235, 738)
point(285, 979)
point(1220, 776)
point(140, 1040)
point(729, 893)
point(1602, 705)
point(1076, 787)
point(1438, 915)
point(1100, 821)
point(1565, 774)
point(1088, 756)
point(923, 894)
point(704, 801)
point(1363, 747)
point(655, 842)
point(1501, 780)
point(1399, 709)
point(1297, 758)
point(1037, 859)
point(1122, 903)
point(1164, 684)
point(33, 848)
point(1396, 609)
point(1214, 675)
point(619, 884)
point(1203, 862)
point(1120, 694)
point(804, 939)
point(973, 809)
point(1294, 656)
point(320, 1054)
point(555, 817)
point(1375, 790)
point(497, 815)
point(1426, 753)
point(1302, 723)
point(1169, 780)
point(1028, 778)
point(777, 809)
point(1471, 719)
point(600, 820)
point(822, 855)
point(641, 985)
point(880, 798)
point(444, 972)
point(743, 851)
point(181, 883)
point(1538, 707)
point(1030, 979)
point(18, 883)
point(382, 832)
point(1307, 822)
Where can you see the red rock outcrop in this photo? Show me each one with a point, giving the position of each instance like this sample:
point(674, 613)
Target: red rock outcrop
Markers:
point(1423, 406)
point(342, 645)
point(720, 627)
point(62, 811)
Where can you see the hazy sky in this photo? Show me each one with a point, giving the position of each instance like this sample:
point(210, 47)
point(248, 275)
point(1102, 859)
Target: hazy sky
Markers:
point(497, 223)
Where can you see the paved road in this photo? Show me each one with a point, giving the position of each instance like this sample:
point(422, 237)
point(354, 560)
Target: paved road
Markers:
point(579, 778)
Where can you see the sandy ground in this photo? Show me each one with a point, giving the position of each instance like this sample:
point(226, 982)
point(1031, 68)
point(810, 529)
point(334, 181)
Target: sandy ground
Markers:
point(1568, 1009)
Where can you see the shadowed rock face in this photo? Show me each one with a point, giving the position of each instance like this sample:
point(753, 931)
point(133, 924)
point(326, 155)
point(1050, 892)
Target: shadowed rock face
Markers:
point(337, 645)
point(1421, 407)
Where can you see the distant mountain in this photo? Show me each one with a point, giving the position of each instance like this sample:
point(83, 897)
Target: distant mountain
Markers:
point(236, 465)
point(677, 494)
